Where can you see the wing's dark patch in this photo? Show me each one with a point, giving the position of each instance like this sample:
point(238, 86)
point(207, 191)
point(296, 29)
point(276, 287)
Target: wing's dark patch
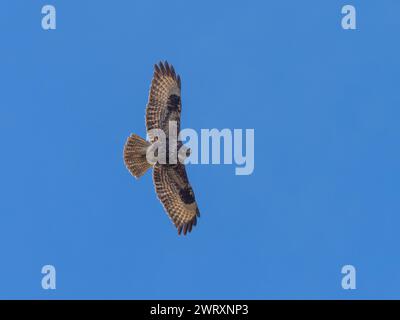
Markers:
point(187, 195)
point(174, 103)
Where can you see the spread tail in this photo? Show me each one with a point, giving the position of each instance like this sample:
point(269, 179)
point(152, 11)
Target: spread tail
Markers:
point(135, 155)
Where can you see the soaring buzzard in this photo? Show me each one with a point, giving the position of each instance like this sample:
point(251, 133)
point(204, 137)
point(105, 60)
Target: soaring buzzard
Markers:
point(170, 180)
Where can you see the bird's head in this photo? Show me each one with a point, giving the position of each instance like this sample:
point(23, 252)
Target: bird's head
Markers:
point(183, 153)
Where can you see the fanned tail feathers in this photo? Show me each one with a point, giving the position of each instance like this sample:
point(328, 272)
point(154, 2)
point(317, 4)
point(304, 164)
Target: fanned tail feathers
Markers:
point(135, 155)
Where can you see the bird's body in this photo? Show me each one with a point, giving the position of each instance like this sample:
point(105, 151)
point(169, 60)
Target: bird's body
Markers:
point(170, 179)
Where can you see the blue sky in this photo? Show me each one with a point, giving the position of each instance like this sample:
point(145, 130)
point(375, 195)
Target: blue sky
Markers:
point(324, 104)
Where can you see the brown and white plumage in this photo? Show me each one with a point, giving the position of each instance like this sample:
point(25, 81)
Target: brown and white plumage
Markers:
point(164, 97)
point(170, 180)
point(176, 195)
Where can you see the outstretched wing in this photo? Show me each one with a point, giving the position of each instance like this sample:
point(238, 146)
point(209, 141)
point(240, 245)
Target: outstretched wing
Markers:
point(176, 195)
point(164, 99)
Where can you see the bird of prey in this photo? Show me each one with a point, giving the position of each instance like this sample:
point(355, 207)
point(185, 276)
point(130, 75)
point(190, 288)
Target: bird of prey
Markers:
point(170, 180)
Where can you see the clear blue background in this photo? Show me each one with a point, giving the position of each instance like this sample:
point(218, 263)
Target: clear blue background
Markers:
point(324, 103)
